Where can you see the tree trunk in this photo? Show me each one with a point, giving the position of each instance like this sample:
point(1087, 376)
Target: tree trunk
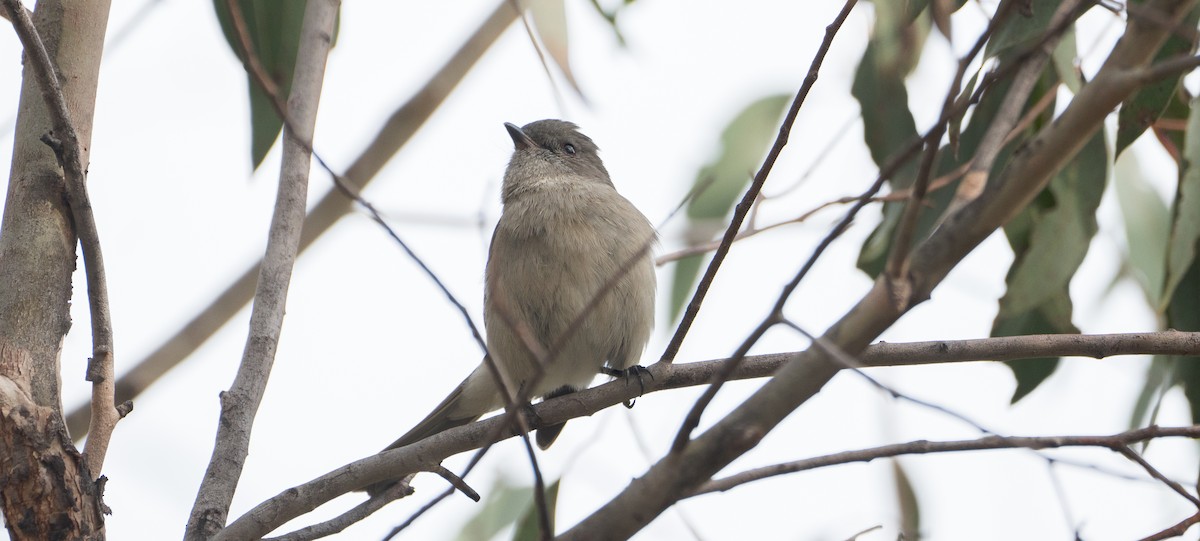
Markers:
point(46, 491)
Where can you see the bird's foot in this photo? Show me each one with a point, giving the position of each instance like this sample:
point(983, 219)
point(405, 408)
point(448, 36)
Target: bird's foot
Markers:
point(637, 372)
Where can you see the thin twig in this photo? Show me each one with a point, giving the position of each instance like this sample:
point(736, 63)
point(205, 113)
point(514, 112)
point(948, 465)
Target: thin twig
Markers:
point(456, 482)
point(743, 208)
point(64, 140)
point(921, 447)
point(1129, 453)
point(350, 517)
point(1174, 531)
point(545, 521)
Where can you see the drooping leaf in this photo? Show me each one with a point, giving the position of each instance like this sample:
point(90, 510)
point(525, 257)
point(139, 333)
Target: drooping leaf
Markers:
point(686, 271)
point(720, 184)
point(1171, 127)
point(1053, 316)
point(888, 126)
point(1021, 29)
point(501, 507)
point(1139, 111)
point(907, 502)
point(1159, 375)
point(1064, 57)
point(273, 29)
point(1183, 314)
point(1147, 225)
point(529, 527)
point(550, 23)
point(1061, 231)
point(1050, 238)
point(1185, 225)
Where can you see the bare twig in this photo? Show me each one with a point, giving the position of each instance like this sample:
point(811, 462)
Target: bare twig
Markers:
point(456, 481)
point(1175, 531)
point(743, 208)
point(898, 195)
point(693, 417)
point(1129, 453)
point(921, 447)
point(545, 521)
point(240, 404)
point(354, 515)
point(65, 143)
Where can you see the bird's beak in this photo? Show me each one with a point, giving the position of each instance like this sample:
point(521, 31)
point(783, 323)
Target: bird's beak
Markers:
point(520, 140)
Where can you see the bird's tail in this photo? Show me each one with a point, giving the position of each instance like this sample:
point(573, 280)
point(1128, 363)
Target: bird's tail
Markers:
point(445, 416)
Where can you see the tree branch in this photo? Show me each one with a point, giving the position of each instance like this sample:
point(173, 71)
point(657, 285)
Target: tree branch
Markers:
point(240, 404)
point(65, 142)
point(1115, 442)
point(426, 454)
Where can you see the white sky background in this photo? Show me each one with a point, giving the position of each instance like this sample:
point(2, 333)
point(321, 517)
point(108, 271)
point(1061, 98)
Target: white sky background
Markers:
point(369, 345)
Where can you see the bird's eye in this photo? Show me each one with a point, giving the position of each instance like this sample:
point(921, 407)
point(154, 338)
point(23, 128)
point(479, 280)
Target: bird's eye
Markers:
point(569, 148)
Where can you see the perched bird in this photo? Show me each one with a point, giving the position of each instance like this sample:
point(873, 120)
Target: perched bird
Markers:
point(564, 235)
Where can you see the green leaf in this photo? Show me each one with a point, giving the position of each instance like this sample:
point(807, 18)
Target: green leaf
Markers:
point(1053, 316)
point(1147, 225)
point(1060, 225)
point(550, 23)
point(686, 271)
point(1160, 375)
point(1139, 111)
point(875, 250)
point(888, 126)
point(529, 527)
point(1183, 314)
point(273, 28)
point(503, 504)
point(1064, 61)
point(721, 183)
point(899, 35)
point(1185, 227)
point(1021, 30)
point(1050, 238)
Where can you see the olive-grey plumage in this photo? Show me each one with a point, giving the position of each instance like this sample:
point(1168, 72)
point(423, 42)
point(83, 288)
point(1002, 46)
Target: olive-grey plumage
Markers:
point(564, 233)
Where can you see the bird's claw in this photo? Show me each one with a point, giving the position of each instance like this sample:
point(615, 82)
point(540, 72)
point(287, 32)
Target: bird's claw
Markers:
point(636, 371)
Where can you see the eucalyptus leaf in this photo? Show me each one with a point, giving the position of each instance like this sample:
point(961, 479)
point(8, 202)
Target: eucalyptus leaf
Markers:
point(1147, 226)
point(501, 507)
point(1141, 110)
point(273, 30)
point(529, 527)
point(721, 183)
point(1185, 226)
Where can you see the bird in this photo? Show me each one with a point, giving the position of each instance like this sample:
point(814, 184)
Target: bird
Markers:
point(567, 246)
